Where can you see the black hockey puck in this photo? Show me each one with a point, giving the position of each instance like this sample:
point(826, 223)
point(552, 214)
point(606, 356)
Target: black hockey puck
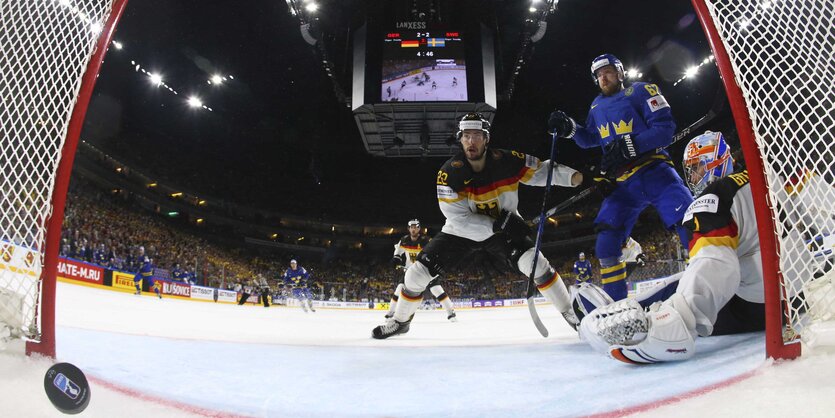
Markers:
point(67, 388)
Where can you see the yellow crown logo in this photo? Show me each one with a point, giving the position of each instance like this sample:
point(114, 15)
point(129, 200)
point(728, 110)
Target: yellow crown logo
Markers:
point(604, 131)
point(623, 127)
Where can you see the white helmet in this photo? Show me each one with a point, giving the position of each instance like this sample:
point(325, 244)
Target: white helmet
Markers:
point(707, 158)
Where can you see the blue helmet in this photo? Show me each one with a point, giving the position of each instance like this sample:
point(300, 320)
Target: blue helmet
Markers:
point(707, 158)
point(604, 60)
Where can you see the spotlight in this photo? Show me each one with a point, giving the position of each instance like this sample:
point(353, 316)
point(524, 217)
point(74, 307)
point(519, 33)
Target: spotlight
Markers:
point(193, 101)
point(692, 71)
point(217, 79)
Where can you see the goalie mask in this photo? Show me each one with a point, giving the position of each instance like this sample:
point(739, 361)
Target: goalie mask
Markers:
point(707, 158)
point(473, 120)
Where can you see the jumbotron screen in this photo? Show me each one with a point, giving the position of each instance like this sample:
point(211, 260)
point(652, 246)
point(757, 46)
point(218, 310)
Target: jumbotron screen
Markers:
point(423, 66)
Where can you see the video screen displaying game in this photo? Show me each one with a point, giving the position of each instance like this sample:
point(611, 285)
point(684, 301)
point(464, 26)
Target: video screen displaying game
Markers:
point(423, 66)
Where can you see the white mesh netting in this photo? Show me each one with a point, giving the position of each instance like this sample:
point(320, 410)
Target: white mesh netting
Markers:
point(783, 56)
point(46, 46)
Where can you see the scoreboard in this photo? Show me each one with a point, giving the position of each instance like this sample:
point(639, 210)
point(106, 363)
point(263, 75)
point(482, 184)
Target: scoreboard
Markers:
point(423, 66)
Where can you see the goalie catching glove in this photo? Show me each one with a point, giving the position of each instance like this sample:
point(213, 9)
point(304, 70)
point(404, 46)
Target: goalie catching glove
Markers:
point(626, 332)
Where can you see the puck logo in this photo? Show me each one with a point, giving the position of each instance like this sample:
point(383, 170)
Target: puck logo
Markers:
point(66, 386)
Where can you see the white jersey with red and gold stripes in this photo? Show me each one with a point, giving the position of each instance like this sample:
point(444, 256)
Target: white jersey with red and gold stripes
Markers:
point(724, 250)
point(472, 201)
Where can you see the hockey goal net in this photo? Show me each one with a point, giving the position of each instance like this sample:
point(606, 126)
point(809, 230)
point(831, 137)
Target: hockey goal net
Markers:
point(51, 53)
point(777, 64)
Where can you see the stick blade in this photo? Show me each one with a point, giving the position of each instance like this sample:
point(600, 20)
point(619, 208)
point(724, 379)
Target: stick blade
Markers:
point(535, 317)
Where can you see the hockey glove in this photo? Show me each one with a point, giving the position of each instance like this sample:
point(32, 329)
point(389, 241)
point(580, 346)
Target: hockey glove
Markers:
point(398, 260)
point(604, 185)
point(561, 124)
point(512, 225)
point(618, 153)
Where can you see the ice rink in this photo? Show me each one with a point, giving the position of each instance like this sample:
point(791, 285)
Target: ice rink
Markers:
point(444, 91)
point(173, 358)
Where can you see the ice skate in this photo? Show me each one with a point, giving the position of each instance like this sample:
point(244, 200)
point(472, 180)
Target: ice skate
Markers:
point(390, 328)
point(451, 317)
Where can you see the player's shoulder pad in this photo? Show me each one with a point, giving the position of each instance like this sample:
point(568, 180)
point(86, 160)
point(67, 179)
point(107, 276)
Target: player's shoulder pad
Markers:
point(404, 239)
point(712, 209)
point(642, 89)
point(454, 173)
point(508, 162)
point(529, 161)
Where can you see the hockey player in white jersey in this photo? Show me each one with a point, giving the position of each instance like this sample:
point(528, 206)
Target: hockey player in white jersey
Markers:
point(477, 192)
point(721, 290)
point(405, 254)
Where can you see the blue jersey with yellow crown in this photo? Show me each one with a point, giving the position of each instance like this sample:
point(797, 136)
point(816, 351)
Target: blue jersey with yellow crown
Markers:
point(582, 268)
point(639, 111)
point(296, 277)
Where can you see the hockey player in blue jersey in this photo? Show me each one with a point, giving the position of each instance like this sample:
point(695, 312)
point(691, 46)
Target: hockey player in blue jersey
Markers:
point(298, 279)
point(632, 125)
point(582, 268)
point(146, 272)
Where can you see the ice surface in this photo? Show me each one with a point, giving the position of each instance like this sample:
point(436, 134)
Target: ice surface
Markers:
point(150, 357)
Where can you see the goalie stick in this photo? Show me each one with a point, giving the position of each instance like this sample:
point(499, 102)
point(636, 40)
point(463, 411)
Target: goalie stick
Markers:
point(531, 291)
point(717, 107)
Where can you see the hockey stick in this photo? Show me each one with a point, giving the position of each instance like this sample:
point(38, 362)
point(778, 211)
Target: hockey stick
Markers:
point(564, 204)
point(717, 107)
point(531, 291)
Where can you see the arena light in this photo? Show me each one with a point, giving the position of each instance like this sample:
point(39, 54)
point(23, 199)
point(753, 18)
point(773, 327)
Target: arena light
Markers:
point(632, 73)
point(117, 44)
point(95, 27)
point(532, 10)
point(217, 79)
point(691, 72)
point(155, 78)
point(311, 7)
point(193, 101)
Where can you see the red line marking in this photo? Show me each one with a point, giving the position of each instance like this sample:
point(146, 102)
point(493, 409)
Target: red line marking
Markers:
point(675, 398)
point(196, 410)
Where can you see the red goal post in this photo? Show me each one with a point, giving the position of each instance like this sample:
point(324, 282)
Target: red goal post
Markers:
point(52, 51)
point(772, 59)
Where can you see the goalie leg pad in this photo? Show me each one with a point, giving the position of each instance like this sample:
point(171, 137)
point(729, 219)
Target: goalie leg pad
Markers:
point(586, 297)
point(671, 335)
point(620, 322)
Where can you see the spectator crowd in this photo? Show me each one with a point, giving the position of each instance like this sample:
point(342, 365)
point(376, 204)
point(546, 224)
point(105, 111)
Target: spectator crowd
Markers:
point(104, 229)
